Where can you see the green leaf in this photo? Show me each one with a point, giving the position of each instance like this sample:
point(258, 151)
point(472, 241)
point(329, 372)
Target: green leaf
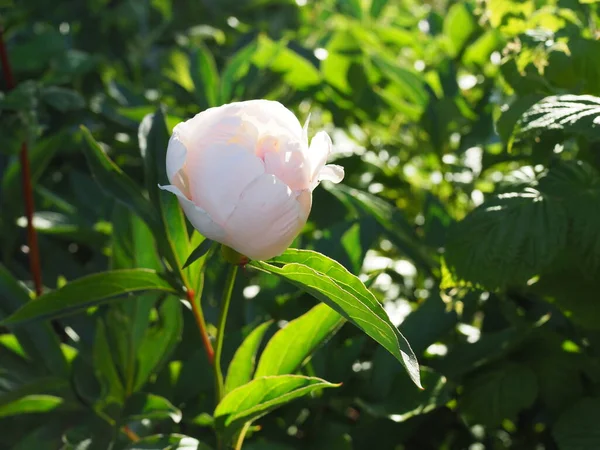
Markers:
point(260, 396)
point(89, 291)
point(576, 184)
point(291, 346)
point(242, 365)
point(168, 442)
point(577, 428)
point(397, 228)
point(40, 156)
point(515, 236)
point(497, 394)
point(236, 67)
point(62, 99)
point(45, 386)
point(38, 340)
point(507, 122)
point(329, 282)
point(199, 252)
point(150, 406)
point(401, 400)
point(173, 239)
point(22, 98)
point(105, 368)
point(114, 182)
point(573, 114)
point(127, 322)
point(31, 404)
point(205, 76)
point(159, 341)
point(411, 84)
point(297, 71)
point(377, 6)
point(508, 239)
point(459, 25)
point(179, 70)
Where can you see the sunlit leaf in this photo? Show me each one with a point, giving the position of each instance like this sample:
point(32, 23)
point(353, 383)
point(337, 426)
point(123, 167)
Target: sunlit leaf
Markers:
point(328, 281)
point(89, 291)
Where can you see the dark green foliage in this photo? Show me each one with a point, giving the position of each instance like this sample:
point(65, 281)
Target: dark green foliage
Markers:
point(470, 137)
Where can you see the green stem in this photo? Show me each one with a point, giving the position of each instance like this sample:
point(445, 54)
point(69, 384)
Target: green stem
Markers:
point(221, 330)
point(241, 436)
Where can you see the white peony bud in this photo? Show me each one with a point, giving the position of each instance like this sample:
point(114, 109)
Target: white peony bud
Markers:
point(244, 175)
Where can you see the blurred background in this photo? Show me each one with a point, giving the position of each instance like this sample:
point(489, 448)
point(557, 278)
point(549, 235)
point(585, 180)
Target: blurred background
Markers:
point(470, 209)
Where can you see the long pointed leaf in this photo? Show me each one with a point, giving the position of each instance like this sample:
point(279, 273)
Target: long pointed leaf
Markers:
point(89, 291)
point(328, 281)
point(291, 346)
point(242, 365)
point(262, 395)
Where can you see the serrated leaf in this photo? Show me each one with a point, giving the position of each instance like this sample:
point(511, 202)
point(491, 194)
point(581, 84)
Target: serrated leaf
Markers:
point(577, 185)
point(574, 114)
point(577, 428)
point(260, 396)
point(515, 236)
point(242, 365)
point(116, 183)
point(89, 291)
point(291, 346)
point(497, 394)
point(508, 239)
point(329, 282)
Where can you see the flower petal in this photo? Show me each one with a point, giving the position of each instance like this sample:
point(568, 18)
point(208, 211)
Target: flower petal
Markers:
point(289, 164)
point(331, 172)
point(320, 147)
point(176, 154)
point(218, 175)
point(199, 218)
point(267, 218)
point(267, 115)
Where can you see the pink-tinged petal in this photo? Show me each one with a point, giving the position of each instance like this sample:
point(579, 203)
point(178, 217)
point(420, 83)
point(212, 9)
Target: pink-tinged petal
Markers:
point(318, 152)
point(267, 218)
point(218, 175)
point(176, 155)
point(271, 117)
point(199, 218)
point(331, 172)
point(305, 130)
point(288, 164)
point(304, 199)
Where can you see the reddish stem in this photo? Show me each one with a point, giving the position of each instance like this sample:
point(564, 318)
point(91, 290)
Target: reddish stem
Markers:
point(199, 316)
point(32, 242)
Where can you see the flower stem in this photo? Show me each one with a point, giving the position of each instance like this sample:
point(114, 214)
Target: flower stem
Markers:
point(221, 330)
point(241, 436)
point(199, 316)
point(32, 243)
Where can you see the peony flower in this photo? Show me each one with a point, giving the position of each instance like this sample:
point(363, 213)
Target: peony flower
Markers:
point(244, 175)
